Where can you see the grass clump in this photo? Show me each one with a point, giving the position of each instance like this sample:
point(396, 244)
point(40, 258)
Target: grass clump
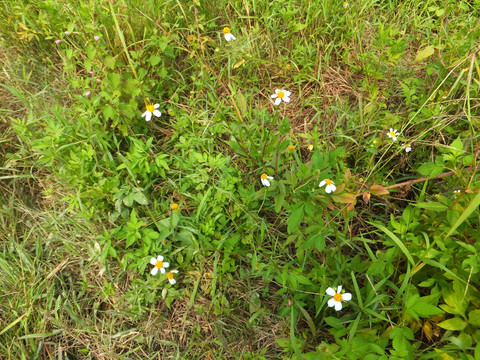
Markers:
point(311, 173)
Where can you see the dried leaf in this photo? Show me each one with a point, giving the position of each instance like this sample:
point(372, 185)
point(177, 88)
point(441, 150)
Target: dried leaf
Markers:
point(366, 196)
point(378, 190)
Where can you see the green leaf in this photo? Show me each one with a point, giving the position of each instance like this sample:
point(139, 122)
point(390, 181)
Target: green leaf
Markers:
point(295, 219)
point(424, 309)
point(425, 53)
point(474, 204)
point(396, 240)
point(140, 198)
point(453, 324)
point(433, 206)
point(242, 103)
point(474, 317)
point(430, 169)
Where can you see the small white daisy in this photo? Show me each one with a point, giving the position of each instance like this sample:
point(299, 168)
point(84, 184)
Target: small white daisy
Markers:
point(158, 264)
point(345, 4)
point(228, 35)
point(264, 179)
point(330, 185)
point(407, 147)
point(456, 193)
point(171, 276)
point(281, 95)
point(151, 109)
point(337, 297)
point(392, 134)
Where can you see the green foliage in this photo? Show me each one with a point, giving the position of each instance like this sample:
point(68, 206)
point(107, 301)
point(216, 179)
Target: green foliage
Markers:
point(254, 261)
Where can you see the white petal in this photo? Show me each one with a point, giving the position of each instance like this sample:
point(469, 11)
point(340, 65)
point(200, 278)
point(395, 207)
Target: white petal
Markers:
point(157, 113)
point(278, 101)
point(162, 270)
point(166, 264)
point(339, 289)
point(330, 291)
point(145, 113)
point(156, 106)
point(273, 96)
point(154, 271)
point(408, 149)
point(394, 138)
point(331, 303)
point(148, 115)
point(391, 130)
point(330, 188)
point(233, 37)
point(287, 93)
point(323, 182)
point(172, 281)
point(286, 99)
point(265, 182)
point(229, 37)
point(174, 271)
point(153, 261)
point(270, 177)
point(338, 305)
point(160, 258)
point(277, 91)
point(388, 134)
point(347, 296)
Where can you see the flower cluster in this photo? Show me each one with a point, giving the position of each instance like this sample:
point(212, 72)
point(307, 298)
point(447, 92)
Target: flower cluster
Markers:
point(160, 265)
point(393, 134)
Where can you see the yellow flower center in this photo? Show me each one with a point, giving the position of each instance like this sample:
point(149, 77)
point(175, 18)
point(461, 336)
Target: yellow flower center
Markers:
point(291, 147)
point(264, 176)
point(281, 94)
point(345, 4)
point(170, 275)
point(392, 134)
point(150, 108)
point(226, 30)
point(174, 207)
point(328, 182)
point(159, 264)
point(407, 146)
point(337, 297)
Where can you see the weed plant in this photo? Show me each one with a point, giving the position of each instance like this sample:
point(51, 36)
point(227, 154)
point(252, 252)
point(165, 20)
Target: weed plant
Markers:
point(240, 179)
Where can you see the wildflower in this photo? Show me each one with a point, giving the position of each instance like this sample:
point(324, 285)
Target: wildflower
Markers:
point(87, 93)
point(407, 147)
point(281, 95)
point(345, 4)
point(190, 37)
point(264, 179)
point(151, 109)
point(337, 297)
point(158, 264)
point(171, 276)
point(456, 193)
point(174, 207)
point(291, 148)
point(67, 33)
point(330, 185)
point(91, 72)
point(228, 35)
point(58, 41)
point(392, 134)
point(310, 147)
point(96, 38)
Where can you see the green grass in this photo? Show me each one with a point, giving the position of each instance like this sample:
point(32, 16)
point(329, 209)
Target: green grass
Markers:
point(86, 184)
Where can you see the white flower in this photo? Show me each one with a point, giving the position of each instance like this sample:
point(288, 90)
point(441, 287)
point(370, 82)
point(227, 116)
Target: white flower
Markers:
point(228, 35)
point(330, 185)
point(392, 134)
point(345, 4)
point(264, 179)
point(456, 193)
point(281, 95)
point(407, 147)
point(337, 297)
point(151, 109)
point(171, 276)
point(158, 264)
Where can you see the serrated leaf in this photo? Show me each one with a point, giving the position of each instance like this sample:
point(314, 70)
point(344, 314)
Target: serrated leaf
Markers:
point(425, 53)
point(453, 324)
point(378, 190)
